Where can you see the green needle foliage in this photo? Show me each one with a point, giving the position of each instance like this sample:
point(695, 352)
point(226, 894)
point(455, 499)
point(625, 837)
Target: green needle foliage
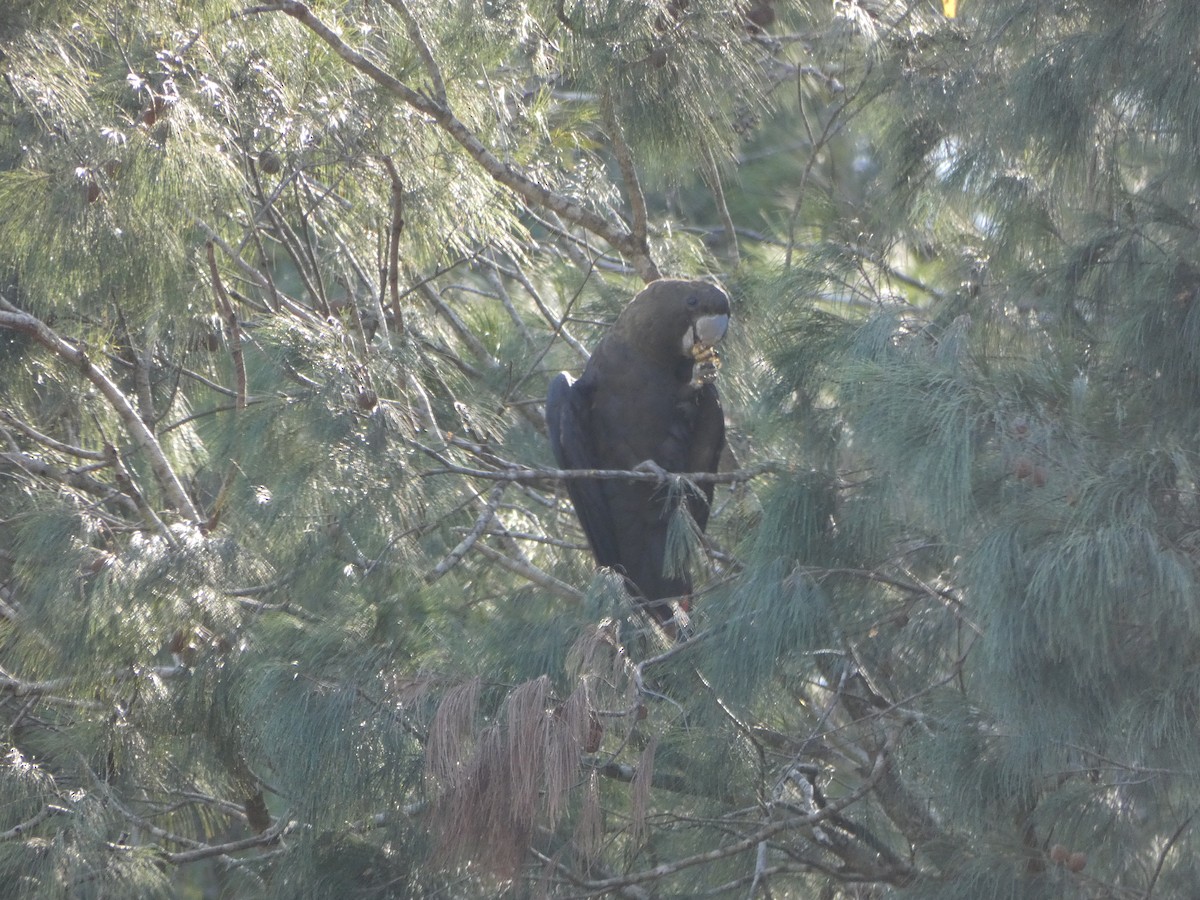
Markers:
point(292, 601)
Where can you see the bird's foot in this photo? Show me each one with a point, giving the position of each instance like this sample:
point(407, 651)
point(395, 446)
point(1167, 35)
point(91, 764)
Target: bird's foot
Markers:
point(653, 468)
point(681, 622)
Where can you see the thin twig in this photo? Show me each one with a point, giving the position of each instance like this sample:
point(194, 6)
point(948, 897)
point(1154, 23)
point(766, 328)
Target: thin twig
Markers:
point(460, 327)
point(531, 573)
point(480, 527)
point(816, 145)
point(1162, 856)
point(879, 768)
point(414, 34)
point(395, 229)
point(310, 250)
point(29, 431)
point(143, 438)
point(506, 174)
point(493, 276)
point(556, 323)
point(259, 278)
point(633, 189)
point(713, 173)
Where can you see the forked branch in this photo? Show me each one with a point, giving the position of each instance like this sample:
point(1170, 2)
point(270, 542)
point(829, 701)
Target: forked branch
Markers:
point(143, 438)
point(438, 109)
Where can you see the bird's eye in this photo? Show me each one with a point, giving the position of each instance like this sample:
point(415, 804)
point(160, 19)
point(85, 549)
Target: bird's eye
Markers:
point(693, 300)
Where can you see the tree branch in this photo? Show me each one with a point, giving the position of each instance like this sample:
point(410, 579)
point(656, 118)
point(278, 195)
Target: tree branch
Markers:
point(229, 314)
point(633, 190)
point(713, 173)
point(77, 480)
point(395, 229)
point(19, 831)
point(879, 767)
point(262, 279)
point(460, 327)
point(531, 573)
point(414, 34)
point(141, 434)
point(481, 524)
point(530, 473)
point(441, 114)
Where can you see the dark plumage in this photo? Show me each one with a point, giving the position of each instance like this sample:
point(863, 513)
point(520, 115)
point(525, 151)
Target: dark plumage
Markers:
point(645, 397)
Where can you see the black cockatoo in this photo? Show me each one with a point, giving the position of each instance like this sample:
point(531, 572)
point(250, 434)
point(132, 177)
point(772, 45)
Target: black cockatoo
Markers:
point(645, 399)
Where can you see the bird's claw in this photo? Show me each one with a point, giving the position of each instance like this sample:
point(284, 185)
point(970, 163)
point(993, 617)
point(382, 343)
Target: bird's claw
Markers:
point(651, 467)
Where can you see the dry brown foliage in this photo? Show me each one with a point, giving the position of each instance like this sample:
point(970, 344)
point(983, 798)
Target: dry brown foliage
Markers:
point(496, 778)
point(494, 787)
point(599, 655)
point(589, 828)
point(639, 792)
point(451, 731)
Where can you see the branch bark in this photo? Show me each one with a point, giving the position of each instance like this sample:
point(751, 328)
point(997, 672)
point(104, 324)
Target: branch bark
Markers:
point(229, 314)
point(528, 473)
point(19, 831)
point(415, 35)
point(879, 767)
point(633, 188)
point(395, 229)
point(437, 109)
point(143, 438)
point(45, 440)
point(75, 479)
point(531, 573)
point(481, 524)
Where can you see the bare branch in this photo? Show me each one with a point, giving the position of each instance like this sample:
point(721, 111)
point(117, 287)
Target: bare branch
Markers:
point(633, 190)
point(473, 535)
point(524, 473)
point(713, 175)
point(301, 258)
point(141, 434)
point(229, 314)
point(880, 765)
point(493, 276)
point(441, 114)
point(460, 327)
point(414, 34)
point(260, 278)
point(17, 687)
point(557, 323)
point(395, 229)
point(19, 831)
point(531, 573)
point(128, 487)
point(1162, 856)
point(208, 851)
point(834, 124)
point(45, 440)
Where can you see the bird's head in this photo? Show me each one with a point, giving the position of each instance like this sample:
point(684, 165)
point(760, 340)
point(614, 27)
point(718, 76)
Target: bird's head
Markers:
point(672, 319)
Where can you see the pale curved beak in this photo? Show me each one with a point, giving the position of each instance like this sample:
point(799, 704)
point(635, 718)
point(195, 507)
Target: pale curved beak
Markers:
point(707, 331)
point(710, 329)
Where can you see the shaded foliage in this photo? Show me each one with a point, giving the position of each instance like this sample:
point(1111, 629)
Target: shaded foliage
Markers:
point(292, 602)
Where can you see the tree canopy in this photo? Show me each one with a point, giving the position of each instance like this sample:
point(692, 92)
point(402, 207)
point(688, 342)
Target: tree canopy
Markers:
point(293, 602)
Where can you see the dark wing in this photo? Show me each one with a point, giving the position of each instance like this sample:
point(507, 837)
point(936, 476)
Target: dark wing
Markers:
point(707, 442)
point(569, 423)
point(694, 443)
